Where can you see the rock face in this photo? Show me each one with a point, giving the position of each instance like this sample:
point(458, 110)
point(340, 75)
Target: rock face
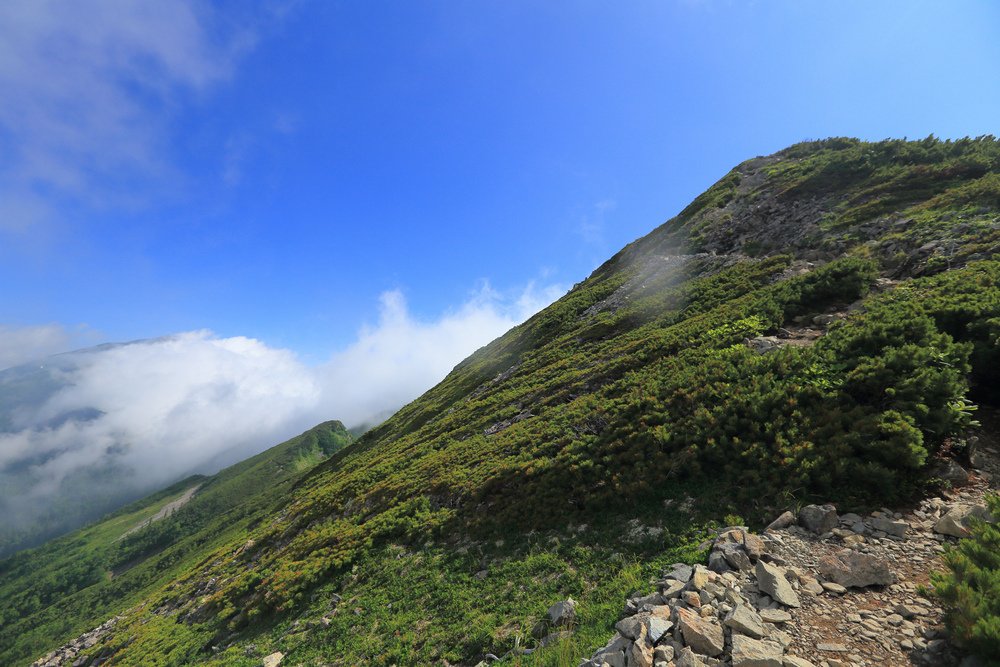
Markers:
point(956, 522)
point(772, 581)
point(819, 518)
point(853, 569)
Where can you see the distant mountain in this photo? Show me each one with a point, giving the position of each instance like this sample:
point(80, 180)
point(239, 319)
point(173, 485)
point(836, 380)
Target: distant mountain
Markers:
point(86, 493)
point(147, 543)
point(815, 326)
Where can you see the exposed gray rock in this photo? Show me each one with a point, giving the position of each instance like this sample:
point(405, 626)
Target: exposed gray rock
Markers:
point(956, 521)
point(784, 521)
point(854, 569)
point(634, 626)
point(771, 580)
point(274, 659)
point(745, 621)
point(679, 571)
point(775, 615)
point(657, 627)
point(819, 518)
point(563, 613)
point(701, 635)
point(795, 661)
point(897, 528)
point(688, 658)
point(949, 471)
point(749, 652)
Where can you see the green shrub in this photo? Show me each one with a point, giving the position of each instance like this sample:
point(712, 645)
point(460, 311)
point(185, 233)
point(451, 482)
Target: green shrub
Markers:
point(971, 588)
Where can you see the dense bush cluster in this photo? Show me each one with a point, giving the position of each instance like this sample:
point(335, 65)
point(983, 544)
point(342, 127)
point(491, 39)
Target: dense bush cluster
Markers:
point(637, 387)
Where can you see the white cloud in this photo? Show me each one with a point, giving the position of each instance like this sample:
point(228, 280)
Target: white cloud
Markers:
point(393, 362)
point(162, 408)
point(89, 88)
point(19, 345)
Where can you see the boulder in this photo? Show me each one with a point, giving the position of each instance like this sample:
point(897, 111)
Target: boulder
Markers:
point(819, 518)
point(641, 653)
point(749, 652)
point(613, 653)
point(782, 522)
point(701, 576)
point(633, 627)
point(688, 658)
point(679, 571)
point(274, 659)
point(775, 615)
point(702, 636)
point(949, 471)
point(853, 569)
point(795, 661)
point(956, 521)
point(563, 613)
point(771, 580)
point(717, 562)
point(745, 621)
point(657, 627)
point(897, 528)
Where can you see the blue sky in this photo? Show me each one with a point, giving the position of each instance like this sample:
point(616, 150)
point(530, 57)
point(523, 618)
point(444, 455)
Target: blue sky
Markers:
point(316, 209)
point(271, 170)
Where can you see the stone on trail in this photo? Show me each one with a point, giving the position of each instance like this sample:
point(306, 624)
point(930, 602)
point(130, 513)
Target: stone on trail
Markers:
point(819, 518)
point(749, 652)
point(746, 621)
point(956, 522)
point(771, 580)
point(701, 635)
point(853, 569)
point(782, 522)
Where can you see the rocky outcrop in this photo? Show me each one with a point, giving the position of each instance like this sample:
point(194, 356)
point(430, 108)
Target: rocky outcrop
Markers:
point(816, 588)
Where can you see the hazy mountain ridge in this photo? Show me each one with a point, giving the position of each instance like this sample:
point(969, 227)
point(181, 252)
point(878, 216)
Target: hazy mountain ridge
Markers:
point(636, 392)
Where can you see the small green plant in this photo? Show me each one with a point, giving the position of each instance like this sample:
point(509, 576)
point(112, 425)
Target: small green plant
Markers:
point(970, 588)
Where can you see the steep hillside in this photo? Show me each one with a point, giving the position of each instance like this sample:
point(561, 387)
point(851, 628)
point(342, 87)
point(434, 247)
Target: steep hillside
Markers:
point(812, 327)
point(75, 582)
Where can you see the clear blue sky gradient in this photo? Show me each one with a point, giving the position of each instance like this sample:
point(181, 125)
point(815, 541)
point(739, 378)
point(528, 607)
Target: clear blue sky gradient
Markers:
point(358, 147)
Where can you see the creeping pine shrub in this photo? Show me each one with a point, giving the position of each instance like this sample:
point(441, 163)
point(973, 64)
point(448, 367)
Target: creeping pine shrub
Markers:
point(970, 588)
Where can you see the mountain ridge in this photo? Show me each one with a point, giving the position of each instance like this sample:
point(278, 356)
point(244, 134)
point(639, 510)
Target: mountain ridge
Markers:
point(638, 395)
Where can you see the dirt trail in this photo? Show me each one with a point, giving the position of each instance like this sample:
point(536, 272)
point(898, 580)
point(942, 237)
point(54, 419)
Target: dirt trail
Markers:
point(165, 511)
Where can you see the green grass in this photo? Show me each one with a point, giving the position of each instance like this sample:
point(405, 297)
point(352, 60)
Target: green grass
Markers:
point(630, 394)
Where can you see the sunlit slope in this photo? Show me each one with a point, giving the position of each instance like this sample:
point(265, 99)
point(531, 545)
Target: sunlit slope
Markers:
point(71, 584)
point(623, 419)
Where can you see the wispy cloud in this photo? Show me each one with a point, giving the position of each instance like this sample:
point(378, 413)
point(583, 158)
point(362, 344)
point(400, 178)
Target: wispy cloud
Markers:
point(19, 345)
point(89, 89)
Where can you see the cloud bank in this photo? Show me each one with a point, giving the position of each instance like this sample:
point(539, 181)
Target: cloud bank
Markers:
point(153, 411)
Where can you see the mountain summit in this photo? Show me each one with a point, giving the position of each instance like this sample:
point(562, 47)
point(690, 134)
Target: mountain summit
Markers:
point(814, 327)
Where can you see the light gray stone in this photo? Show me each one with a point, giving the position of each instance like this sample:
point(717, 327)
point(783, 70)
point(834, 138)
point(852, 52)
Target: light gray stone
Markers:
point(956, 522)
point(563, 613)
point(784, 521)
point(274, 659)
point(819, 518)
point(749, 652)
point(771, 580)
point(701, 635)
point(854, 569)
point(745, 621)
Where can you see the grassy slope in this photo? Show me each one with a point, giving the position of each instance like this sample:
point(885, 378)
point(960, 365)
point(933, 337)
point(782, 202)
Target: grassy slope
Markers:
point(56, 591)
point(529, 472)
